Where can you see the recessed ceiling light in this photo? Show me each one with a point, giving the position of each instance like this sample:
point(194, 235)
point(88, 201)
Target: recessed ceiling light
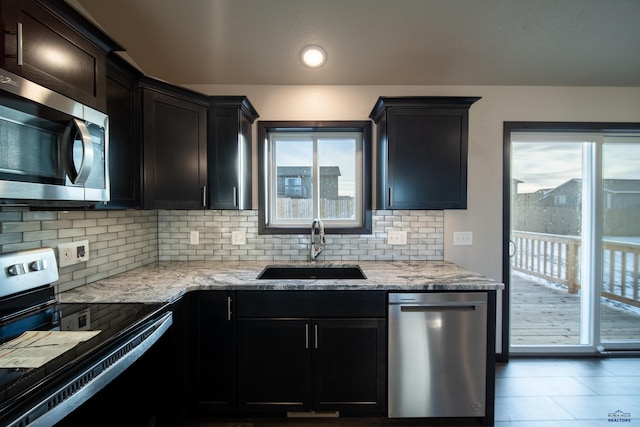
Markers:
point(313, 56)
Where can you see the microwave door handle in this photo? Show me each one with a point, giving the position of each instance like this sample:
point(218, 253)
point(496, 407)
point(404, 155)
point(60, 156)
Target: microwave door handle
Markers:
point(20, 45)
point(81, 176)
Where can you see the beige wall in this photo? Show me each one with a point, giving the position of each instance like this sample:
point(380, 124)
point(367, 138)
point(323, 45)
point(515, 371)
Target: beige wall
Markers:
point(498, 104)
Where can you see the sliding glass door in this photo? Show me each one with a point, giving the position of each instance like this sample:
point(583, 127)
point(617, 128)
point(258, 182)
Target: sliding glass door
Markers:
point(574, 203)
point(620, 189)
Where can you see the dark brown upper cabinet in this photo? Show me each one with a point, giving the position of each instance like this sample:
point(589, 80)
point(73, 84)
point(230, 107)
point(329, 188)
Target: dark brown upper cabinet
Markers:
point(229, 152)
point(422, 152)
point(49, 43)
point(175, 146)
point(125, 138)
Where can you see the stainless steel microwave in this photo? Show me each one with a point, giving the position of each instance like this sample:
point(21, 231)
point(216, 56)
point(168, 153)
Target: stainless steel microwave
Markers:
point(52, 148)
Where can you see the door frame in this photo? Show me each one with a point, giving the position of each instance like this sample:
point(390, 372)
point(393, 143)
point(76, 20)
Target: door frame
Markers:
point(532, 127)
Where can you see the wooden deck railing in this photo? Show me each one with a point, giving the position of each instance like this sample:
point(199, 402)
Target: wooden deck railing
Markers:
point(557, 259)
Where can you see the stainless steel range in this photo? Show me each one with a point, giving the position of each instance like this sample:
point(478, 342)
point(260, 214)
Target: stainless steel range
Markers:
point(54, 356)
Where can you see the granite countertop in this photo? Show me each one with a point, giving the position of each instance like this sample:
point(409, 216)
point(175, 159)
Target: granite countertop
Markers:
point(168, 281)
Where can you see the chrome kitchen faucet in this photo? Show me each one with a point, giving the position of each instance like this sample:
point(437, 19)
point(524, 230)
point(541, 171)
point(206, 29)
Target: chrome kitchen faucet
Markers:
point(316, 247)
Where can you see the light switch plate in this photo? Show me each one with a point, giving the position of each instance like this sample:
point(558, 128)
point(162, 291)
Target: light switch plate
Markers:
point(463, 238)
point(73, 253)
point(194, 237)
point(395, 237)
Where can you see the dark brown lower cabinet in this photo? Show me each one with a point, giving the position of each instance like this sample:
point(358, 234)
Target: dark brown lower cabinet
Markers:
point(275, 352)
point(348, 366)
point(274, 365)
point(300, 365)
point(215, 373)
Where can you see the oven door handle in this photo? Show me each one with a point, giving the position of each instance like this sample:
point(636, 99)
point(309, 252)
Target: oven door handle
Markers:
point(80, 175)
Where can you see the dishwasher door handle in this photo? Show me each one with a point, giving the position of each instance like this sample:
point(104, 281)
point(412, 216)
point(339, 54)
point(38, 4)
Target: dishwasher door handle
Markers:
point(439, 307)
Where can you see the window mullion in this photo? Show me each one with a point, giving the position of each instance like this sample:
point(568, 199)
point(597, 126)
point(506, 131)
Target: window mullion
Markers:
point(271, 190)
point(316, 179)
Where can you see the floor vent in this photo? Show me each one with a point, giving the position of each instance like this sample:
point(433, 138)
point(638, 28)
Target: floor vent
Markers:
point(314, 414)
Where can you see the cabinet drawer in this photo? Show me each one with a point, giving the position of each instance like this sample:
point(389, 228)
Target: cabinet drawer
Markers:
point(311, 304)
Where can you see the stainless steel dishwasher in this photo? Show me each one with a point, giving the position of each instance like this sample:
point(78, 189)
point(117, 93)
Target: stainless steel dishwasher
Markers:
point(437, 354)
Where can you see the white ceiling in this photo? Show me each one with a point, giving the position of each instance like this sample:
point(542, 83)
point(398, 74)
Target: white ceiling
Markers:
point(379, 42)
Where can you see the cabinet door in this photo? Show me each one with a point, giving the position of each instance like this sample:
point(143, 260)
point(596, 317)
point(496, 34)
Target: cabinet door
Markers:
point(40, 47)
point(229, 129)
point(245, 175)
point(216, 365)
point(224, 156)
point(427, 158)
point(125, 145)
point(274, 362)
point(175, 152)
point(349, 366)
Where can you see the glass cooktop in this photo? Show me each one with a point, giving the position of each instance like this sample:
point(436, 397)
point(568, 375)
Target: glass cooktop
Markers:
point(110, 323)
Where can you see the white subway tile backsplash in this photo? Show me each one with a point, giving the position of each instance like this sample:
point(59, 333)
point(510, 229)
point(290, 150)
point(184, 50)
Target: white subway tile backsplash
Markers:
point(424, 229)
point(123, 239)
point(119, 240)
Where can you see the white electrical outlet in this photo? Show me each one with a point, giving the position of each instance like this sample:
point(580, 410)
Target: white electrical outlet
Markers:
point(395, 237)
point(73, 253)
point(239, 237)
point(463, 238)
point(194, 237)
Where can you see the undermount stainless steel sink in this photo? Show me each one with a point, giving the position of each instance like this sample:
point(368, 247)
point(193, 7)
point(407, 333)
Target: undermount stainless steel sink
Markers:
point(313, 272)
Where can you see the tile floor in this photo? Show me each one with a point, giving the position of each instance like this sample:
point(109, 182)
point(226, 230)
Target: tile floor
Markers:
point(530, 392)
point(568, 392)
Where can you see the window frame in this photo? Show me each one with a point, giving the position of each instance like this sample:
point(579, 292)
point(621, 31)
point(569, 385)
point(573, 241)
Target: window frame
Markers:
point(267, 127)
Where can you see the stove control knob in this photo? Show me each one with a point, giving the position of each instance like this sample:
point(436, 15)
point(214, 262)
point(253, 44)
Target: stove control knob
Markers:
point(38, 265)
point(17, 269)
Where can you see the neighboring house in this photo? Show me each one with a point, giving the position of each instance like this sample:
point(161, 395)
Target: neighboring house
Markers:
point(567, 194)
point(559, 210)
point(295, 182)
point(621, 193)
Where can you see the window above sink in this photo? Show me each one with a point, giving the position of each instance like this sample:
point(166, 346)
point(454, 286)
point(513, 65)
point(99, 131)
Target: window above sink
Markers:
point(319, 169)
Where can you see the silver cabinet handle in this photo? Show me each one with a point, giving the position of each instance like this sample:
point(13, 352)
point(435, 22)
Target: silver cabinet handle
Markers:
point(228, 308)
point(235, 197)
point(20, 45)
point(390, 196)
point(82, 174)
point(204, 196)
point(315, 335)
point(306, 335)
